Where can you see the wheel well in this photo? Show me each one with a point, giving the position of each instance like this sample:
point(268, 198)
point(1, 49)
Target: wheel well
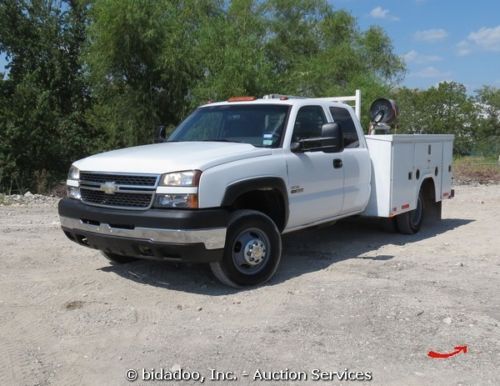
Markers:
point(432, 202)
point(428, 190)
point(268, 201)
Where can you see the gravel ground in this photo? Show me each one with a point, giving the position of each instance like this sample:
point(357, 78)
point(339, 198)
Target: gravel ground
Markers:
point(351, 296)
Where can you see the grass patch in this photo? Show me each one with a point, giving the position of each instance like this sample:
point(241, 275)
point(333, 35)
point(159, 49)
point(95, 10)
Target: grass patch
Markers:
point(468, 170)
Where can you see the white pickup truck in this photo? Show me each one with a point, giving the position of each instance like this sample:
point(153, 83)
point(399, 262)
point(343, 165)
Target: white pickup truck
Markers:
point(235, 175)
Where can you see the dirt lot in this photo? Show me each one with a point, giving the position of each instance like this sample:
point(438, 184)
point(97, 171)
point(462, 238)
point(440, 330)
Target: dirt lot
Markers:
point(352, 296)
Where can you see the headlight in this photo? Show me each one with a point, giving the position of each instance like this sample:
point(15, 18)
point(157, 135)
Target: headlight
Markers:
point(176, 201)
point(184, 178)
point(74, 193)
point(72, 183)
point(74, 173)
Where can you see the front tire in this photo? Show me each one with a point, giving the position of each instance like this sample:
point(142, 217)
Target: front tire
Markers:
point(252, 250)
point(410, 222)
point(118, 259)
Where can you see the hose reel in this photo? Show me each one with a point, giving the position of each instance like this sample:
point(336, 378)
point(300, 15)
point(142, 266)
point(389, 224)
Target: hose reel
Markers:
point(383, 113)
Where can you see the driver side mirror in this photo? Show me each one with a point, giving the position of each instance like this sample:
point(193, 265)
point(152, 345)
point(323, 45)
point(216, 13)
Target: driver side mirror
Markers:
point(161, 134)
point(330, 141)
point(334, 138)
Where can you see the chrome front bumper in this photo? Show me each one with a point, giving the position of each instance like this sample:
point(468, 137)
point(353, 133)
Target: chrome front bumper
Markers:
point(213, 238)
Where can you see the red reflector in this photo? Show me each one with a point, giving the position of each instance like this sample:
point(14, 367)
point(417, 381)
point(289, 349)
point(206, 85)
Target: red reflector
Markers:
point(446, 194)
point(405, 206)
point(242, 99)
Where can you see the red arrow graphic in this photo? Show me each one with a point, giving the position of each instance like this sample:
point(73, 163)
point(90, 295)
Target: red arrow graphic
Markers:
point(458, 350)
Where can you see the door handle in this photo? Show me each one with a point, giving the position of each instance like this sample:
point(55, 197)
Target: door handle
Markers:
point(337, 163)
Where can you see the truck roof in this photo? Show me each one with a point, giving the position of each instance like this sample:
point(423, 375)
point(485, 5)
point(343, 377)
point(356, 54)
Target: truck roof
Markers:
point(278, 99)
point(287, 102)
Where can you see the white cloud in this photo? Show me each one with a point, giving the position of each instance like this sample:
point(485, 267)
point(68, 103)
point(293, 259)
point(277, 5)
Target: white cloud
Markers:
point(487, 39)
point(464, 48)
point(431, 35)
point(381, 13)
point(417, 58)
point(432, 72)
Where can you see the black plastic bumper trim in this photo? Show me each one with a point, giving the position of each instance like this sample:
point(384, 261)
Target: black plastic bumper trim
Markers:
point(150, 218)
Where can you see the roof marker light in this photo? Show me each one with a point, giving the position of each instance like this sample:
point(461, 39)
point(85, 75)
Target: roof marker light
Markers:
point(241, 99)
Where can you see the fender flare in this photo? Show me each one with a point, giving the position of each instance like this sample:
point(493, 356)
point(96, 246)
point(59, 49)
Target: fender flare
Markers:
point(239, 188)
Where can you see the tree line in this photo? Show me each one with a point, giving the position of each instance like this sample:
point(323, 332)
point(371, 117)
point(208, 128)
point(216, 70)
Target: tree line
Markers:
point(448, 108)
point(85, 76)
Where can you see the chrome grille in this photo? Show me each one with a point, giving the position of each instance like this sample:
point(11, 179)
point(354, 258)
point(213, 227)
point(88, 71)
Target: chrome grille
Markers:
point(131, 191)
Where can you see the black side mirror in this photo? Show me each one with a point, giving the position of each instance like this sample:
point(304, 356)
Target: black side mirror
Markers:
point(331, 140)
point(296, 147)
point(330, 129)
point(334, 138)
point(161, 134)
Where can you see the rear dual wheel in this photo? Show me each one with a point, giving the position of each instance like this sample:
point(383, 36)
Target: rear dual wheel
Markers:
point(410, 222)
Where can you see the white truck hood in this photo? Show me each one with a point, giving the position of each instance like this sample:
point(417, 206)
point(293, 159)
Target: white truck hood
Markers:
point(170, 157)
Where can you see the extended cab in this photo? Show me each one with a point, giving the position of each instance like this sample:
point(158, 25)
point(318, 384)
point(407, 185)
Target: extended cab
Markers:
point(235, 175)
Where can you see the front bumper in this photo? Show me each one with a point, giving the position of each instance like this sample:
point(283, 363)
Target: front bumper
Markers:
point(177, 235)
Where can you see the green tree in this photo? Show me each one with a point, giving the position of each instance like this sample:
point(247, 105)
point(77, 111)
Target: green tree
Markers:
point(230, 53)
point(487, 134)
point(151, 63)
point(142, 62)
point(44, 97)
point(87, 75)
point(318, 51)
point(300, 47)
point(438, 110)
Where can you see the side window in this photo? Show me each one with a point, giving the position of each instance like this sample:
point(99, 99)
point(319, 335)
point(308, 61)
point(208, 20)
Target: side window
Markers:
point(344, 119)
point(308, 123)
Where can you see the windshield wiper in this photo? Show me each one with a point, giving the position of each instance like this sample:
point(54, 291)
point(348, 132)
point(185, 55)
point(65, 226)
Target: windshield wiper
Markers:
point(220, 140)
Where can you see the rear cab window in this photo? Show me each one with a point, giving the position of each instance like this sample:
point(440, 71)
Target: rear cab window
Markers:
point(344, 119)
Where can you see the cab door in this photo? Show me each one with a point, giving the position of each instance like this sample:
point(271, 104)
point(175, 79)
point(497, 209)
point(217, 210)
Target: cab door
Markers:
point(356, 160)
point(315, 177)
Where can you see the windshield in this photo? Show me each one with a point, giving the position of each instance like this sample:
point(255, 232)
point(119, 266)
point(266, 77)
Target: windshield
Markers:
point(258, 125)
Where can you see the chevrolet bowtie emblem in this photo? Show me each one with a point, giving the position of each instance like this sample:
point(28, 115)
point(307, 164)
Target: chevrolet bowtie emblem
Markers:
point(109, 187)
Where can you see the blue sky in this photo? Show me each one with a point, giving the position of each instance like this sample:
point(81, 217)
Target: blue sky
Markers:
point(439, 39)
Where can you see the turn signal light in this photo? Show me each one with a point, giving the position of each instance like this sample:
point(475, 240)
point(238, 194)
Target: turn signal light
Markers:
point(242, 99)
